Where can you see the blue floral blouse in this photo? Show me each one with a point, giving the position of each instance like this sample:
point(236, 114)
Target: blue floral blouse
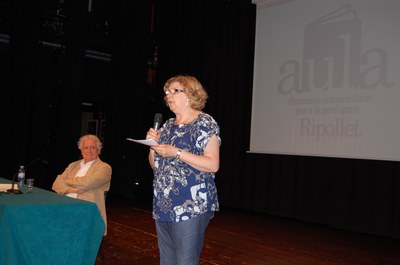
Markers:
point(180, 191)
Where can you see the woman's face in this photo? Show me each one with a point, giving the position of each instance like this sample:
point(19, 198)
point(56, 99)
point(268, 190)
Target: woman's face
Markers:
point(175, 97)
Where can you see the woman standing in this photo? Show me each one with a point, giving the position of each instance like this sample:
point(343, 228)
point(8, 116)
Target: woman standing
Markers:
point(184, 164)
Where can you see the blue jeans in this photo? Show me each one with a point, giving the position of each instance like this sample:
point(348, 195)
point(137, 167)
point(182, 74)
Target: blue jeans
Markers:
point(181, 243)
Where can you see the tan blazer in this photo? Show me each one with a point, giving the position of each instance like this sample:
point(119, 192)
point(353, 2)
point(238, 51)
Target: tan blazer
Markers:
point(95, 183)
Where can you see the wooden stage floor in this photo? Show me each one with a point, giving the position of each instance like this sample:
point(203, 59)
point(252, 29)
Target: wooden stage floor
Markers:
point(240, 237)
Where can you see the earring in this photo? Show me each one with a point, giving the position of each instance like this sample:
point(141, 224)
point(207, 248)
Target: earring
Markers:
point(187, 102)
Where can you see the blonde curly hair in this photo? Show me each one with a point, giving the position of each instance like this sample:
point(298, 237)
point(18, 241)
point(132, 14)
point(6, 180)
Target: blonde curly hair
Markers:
point(194, 90)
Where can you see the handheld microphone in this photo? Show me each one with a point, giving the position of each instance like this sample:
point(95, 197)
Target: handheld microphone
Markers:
point(157, 121)
point(16, 191)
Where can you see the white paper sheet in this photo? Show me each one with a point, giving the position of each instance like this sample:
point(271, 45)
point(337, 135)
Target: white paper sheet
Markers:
point(150, 142)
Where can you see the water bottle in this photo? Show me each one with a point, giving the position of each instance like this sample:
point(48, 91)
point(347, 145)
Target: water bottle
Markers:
point(21, 177)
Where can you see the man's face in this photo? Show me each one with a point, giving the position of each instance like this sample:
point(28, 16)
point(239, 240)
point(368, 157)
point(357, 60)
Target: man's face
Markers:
point(89, 150)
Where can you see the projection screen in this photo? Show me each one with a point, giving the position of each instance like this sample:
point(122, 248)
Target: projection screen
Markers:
point(326, 79)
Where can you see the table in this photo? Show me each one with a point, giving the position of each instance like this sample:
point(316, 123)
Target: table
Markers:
point(46, 228)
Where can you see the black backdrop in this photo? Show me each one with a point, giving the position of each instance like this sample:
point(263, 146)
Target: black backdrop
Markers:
point(46, 75)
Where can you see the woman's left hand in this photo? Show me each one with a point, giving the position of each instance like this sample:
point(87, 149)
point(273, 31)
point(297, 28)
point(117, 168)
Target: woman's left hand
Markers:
point(165, 150)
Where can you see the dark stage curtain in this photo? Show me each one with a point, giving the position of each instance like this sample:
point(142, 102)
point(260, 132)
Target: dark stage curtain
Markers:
point(23, 106)
point(212, 40)
point(350, 194)
point(131, 106)
point(43, 90)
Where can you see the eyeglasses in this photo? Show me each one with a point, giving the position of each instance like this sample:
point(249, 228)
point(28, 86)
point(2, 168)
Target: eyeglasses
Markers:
point(173, 91)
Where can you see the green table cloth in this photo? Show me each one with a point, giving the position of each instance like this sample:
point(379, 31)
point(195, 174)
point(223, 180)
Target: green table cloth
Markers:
point(46, 228)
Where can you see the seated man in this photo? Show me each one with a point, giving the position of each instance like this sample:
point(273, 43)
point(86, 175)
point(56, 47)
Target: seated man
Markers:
point(89, 178)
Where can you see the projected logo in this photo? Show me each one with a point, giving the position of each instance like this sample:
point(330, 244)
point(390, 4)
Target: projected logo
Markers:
point(327, 86)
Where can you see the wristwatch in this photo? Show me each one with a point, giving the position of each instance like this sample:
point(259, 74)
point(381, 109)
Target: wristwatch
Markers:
point(178, 154)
